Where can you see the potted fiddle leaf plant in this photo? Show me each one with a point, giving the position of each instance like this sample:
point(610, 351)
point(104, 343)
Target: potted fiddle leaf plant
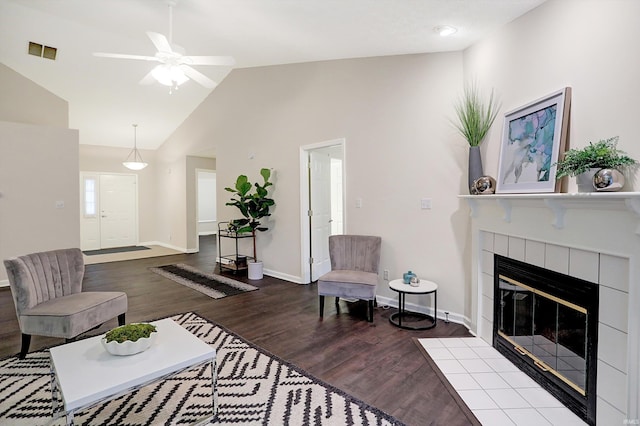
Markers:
point(254, 204)
point(597, 166)
point(474, 119)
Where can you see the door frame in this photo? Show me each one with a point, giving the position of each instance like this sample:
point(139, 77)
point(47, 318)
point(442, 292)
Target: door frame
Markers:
point(305, 240)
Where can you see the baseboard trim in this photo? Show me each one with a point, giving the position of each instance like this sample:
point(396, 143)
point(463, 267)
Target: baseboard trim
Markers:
point(442, 315)
point(4, 283)
point(283, 276)
point(169, 246)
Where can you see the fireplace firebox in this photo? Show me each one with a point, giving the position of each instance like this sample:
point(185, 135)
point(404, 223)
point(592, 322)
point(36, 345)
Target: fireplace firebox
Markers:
point(546, 323)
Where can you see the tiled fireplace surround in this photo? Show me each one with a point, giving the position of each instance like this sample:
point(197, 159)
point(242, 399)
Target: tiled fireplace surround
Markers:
point(595, 237)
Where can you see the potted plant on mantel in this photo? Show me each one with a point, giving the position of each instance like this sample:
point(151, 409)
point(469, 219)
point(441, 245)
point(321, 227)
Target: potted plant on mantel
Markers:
point(474, 121)
point(254, 206)
point(597, 167)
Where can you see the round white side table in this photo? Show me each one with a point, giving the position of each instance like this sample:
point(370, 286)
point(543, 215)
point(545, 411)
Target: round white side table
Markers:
point(424, 287)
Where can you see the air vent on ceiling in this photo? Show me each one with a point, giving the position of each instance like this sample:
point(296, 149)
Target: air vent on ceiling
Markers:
point(47, 52)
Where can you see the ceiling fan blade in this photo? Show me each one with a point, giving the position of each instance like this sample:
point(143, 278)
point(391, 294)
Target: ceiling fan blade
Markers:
point(148, 79)
point(123, 56)
point(198, 77)
point(160, 42)
point(209, 60)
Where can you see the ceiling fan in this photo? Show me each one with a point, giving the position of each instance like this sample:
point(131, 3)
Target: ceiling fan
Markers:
point(175, 66)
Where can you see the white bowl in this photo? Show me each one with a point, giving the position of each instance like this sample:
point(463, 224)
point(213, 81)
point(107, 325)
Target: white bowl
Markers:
point(128, 347)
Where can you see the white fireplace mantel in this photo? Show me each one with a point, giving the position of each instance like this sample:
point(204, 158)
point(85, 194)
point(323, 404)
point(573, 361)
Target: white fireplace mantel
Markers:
point(559, 203)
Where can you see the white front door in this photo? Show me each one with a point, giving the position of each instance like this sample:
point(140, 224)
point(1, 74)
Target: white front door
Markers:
point(118, 225)
point(320, 211)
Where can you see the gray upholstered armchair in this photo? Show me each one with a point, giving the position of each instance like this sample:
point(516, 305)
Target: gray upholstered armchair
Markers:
point(48, 296)
point(354, 270)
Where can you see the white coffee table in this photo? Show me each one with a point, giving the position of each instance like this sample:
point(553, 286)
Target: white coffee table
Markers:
point(84, 374)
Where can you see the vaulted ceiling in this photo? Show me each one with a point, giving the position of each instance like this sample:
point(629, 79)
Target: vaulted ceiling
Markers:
point(105, 98)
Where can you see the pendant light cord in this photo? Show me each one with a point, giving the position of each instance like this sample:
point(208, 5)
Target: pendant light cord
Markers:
point(136, 155)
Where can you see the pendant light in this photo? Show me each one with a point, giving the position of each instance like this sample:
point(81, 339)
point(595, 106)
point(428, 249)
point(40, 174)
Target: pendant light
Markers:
point(134, 159)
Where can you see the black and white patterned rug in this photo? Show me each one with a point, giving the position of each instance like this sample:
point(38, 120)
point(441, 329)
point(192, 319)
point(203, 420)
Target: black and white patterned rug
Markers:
point(213, 285)
point(254, 388)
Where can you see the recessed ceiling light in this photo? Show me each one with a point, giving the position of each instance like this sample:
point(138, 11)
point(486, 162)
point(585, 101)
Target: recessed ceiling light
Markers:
point(445, 30)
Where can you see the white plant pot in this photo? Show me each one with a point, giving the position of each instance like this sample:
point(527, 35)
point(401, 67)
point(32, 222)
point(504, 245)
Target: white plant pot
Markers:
point(128, 347)
point(255, 270)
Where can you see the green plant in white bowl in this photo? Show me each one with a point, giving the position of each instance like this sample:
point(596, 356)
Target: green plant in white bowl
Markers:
point(129, 339)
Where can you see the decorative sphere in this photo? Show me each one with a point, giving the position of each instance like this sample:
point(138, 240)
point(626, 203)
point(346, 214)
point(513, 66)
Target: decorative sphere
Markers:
point(483, 185)
point(608, 180)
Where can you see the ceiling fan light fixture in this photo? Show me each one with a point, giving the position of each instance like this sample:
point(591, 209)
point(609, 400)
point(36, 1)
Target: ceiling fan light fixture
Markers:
point(175, 65)
point(134, 160)
point(169, 75)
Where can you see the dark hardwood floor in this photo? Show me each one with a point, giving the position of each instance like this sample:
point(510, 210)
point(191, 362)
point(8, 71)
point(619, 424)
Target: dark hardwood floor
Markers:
point(376, 362)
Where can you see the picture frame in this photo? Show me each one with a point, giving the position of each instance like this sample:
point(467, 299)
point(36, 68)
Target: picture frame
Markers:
point(533, 136)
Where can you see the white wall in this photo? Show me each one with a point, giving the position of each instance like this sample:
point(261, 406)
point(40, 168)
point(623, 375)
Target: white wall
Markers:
point(23, 101)
point(38, 171)
point(590, 45)
point(171, 201)
point(393, 112)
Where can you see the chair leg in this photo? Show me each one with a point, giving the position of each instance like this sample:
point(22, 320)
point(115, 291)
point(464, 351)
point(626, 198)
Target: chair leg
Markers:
point(26, 341)
point(337, 302)
point(321, 306)
point(121, 319)
point(370, 311)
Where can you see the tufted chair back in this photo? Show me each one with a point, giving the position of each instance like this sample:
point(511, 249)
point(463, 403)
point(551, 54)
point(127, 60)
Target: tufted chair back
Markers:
point(39, 277)
point(355, 252)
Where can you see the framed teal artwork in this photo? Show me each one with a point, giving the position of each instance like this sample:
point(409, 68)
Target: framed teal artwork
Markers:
point(533, 137)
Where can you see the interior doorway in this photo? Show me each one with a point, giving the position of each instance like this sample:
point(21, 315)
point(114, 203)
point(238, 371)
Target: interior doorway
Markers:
point(322, 204)
point(206, 202)
point(108, 210)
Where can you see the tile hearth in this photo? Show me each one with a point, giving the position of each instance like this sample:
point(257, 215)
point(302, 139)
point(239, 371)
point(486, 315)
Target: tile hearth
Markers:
point(495, 390)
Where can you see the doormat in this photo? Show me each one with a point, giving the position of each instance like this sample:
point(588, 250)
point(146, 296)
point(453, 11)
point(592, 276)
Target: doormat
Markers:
point(213, 285)
point(114, 250)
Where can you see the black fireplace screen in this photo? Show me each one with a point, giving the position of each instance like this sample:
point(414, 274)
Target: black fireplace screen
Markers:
point(550, 330)
point(546, 323)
